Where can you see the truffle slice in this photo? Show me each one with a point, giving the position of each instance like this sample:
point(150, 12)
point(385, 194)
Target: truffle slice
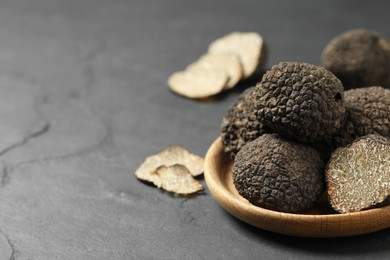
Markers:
point(240, 125)
point(358, 176)
point(278, 174)
point(228, 62)
point(300, 101)
point(249, 46)
point(368, 112)
point(359, 58)
point(168, 157)
point(198, 82)
point(176, 178)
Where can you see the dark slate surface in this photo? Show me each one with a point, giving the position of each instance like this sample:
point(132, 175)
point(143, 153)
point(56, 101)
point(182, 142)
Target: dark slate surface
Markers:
point(83, 100)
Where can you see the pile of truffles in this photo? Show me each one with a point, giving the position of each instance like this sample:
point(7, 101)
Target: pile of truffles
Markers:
point(297, 133)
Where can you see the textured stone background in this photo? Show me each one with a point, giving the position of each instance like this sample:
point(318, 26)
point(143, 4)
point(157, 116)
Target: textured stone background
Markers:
point(83, 100)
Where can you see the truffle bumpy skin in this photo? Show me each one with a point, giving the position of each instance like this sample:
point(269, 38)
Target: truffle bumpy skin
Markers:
point(278, 174)
point(368, 112)
point(300, 101)
point(359, 58)
point(240, 125)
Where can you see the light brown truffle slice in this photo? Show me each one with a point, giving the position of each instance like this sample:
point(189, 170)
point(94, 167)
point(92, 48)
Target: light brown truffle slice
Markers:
point(249, 46)
point(358, 176)
point(228, 62)
point(176, 178)
point(167, 157)
point(198, 82)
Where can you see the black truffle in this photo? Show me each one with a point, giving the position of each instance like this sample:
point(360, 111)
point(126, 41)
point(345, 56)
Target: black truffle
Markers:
point(278, 174)
point(358, 175)
point(300, 101)
point(359, 58)
point(240, 125)
point(368, 112)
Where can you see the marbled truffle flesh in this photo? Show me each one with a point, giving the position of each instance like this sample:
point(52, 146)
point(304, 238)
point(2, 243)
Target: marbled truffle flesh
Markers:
point(278, 174)
point(300, 101)
point(240, 125)
point(359, 58)
point(358, 176)
point(368, 112)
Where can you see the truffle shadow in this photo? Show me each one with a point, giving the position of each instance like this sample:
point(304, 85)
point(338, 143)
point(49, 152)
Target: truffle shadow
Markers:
point(356, 246)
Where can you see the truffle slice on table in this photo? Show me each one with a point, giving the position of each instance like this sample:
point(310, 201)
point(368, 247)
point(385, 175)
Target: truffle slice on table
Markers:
point(300, 101)
point(279, 174)
point(240, 125)
point(173, 169)
point(359, 58)
point(358, 176)
point(176, 178)
point(368, 112)
point(198, 82)
point(170, 156)
point(228, 62)
point(249, 46)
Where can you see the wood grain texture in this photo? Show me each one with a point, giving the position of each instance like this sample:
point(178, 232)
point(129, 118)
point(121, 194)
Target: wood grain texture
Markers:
point(320, 221)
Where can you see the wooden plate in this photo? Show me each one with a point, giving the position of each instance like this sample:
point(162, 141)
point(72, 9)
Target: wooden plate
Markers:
point(320, 221)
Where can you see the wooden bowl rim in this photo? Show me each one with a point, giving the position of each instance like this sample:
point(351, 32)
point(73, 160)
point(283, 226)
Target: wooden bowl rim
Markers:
point(313, 225)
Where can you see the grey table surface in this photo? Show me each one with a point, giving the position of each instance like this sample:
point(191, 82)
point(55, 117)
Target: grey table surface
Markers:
point(84, 99)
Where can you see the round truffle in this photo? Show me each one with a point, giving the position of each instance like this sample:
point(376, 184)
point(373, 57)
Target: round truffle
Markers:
point(300, 101)
point(240, 125)
point(359, 58)
point(368, 112)
point(278, 174)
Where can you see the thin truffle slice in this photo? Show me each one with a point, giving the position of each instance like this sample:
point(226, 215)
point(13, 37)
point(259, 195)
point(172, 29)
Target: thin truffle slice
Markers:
point(198, 82)
point(278, 174)
point(359, 58)
point(358, 176)
point(167, 157)
point(228, 62)
point(300, 101)
point(249, 46)
point(368, 112)
point(240, 125)
point(176, 178)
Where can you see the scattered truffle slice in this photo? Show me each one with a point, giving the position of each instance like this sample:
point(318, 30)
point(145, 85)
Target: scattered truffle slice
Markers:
point(198, 82)
point(249, 46)
point(278, 174)
point(240, 125)
point(228, 62)
point(167, 157)
point(368, 112)
point(358, 176)
point(359, 58)
point(300, 101)
point(176, 178)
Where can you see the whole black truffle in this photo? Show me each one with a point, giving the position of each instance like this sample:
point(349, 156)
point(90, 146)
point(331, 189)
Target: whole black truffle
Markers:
point(359, 58)
point(368, 112)
point(240, 125)
point(300, 101)
point(278, 174)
